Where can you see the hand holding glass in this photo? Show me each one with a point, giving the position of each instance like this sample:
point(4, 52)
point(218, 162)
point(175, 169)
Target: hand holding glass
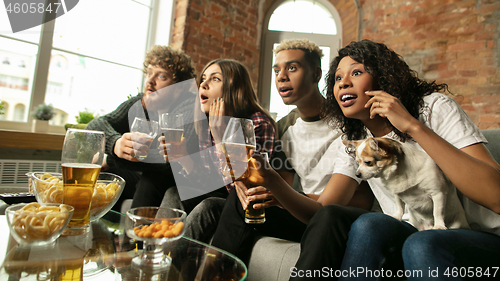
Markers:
point(256, 215)
point(143, 133)
point(82, 156)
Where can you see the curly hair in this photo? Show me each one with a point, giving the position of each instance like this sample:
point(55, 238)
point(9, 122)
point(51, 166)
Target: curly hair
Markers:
point(390, 73)
point(312, 52)
point(174, 60)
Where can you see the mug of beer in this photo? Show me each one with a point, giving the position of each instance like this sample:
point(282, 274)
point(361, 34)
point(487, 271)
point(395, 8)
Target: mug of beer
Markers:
point(81, 161)
point(255, 216)
point(172, 130)
point(143, 133)
point(238, 142)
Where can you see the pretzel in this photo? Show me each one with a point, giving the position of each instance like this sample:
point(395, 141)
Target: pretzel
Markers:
point(104, 193)
point(51, 191)
point(35, 222)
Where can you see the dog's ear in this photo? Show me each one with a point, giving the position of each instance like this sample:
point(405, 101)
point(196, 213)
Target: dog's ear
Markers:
point(373, 144)
point(390, 146)
point(350, 144)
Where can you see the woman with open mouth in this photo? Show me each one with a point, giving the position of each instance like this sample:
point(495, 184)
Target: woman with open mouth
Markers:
point(225, 90)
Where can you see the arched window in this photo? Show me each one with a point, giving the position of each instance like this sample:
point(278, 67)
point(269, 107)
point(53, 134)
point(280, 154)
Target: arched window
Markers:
point(315, 20)
point(19, 112)
point(79, 61)
point(308, 17)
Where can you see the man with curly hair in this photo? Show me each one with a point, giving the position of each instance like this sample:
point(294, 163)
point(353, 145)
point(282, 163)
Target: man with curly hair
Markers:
point(163, 66)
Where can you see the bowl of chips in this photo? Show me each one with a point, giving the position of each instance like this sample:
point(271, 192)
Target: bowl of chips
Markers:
point(107, 191)
point(48, 188)
point(37, 224)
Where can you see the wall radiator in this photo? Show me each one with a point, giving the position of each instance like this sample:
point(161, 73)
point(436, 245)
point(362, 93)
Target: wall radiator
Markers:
point(13, 172)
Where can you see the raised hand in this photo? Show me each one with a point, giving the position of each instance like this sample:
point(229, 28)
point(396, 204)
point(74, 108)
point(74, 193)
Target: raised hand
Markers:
point(217, 120)
point(390, 107)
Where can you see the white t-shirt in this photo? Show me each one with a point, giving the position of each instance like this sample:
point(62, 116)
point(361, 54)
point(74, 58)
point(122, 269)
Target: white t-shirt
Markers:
point(447, 119)
point(311, 149)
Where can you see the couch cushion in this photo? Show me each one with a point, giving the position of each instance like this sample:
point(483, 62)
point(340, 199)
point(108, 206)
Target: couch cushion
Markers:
point(493, 145)
point(272, 259)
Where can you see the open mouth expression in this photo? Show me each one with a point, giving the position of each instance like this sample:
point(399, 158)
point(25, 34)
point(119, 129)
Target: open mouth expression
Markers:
point(285, 91)
point(347, 99)
point(351, 83)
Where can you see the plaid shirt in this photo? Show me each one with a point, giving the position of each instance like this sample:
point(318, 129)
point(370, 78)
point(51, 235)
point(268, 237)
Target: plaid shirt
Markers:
point(264, 139)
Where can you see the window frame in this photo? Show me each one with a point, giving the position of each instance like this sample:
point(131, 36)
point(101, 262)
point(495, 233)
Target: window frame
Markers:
point(269, 37)
point(156, 34)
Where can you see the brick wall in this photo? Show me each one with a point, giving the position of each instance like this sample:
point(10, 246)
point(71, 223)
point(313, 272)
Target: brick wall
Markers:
point(349, 16)
point(210, 29)
point(451, 41)
point(219, 29)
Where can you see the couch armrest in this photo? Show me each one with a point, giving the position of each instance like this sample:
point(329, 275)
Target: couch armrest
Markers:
point(272, 259)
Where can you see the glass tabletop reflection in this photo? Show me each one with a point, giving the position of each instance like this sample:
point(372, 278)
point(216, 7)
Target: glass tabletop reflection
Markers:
point(107, 252)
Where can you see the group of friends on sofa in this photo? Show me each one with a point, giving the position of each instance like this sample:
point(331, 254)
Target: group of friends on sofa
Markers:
point(309, 187)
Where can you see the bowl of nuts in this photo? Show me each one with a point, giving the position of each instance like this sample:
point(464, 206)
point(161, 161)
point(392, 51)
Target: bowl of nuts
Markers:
point(154, 226)
point(48, 188)
point(37, 224)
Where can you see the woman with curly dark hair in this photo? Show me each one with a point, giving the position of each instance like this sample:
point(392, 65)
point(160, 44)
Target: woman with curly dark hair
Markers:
point(372, 92)
point(391, 74)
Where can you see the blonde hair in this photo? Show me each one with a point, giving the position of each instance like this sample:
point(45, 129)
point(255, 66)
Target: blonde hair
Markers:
point(312, 52)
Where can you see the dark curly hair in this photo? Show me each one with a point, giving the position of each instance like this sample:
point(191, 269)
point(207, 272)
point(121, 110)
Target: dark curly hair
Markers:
point(390, 73)
point(174, 60)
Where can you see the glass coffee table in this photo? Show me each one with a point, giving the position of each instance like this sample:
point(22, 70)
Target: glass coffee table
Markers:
point(106, 252)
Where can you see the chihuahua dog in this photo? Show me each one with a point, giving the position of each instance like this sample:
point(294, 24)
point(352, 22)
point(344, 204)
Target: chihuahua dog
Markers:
point(414, 179)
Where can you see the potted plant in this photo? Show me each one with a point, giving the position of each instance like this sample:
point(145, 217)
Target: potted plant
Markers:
point(82, 119)
point(42, 114)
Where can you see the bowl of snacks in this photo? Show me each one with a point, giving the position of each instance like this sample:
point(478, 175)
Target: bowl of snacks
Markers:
point(48, 188)
point(154, 226)
point(107, 191)
point(37, 224)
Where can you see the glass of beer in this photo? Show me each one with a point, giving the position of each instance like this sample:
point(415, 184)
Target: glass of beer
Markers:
point(172, 129)
point(256, 215)
point(143, 133)
point(81, 161)
point(237, 143)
